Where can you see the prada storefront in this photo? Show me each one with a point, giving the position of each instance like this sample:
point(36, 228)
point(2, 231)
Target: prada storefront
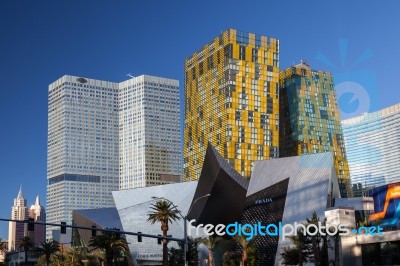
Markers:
point(285, 190)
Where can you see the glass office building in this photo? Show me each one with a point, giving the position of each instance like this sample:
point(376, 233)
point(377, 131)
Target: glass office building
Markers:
point(309, 118)
point(372, 142)
point(149, 132)
point(82, 152)
point(231, 101)
point(104, 136)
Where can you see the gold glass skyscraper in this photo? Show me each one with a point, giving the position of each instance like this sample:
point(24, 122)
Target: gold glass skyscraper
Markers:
point(232, 101)
point(310, 119)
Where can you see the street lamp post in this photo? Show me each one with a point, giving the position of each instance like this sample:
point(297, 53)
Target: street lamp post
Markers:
point(185, 241)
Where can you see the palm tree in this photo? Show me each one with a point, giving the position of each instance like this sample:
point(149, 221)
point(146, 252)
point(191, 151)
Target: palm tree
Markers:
point(319, 242)
point(2, 245)
point(48, 248)
point(210, 243)
point(315, 239)
point(111, 244)
point(244, 244)
point(25, 244)
point(163, 211)
point(96, 255)
point(175, 255)
point(300, 252)
point(74, 255)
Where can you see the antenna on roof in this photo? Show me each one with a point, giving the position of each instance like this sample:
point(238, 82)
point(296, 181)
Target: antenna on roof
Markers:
point(129, 75)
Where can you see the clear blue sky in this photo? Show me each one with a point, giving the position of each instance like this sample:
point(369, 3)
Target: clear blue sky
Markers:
point(43, 40)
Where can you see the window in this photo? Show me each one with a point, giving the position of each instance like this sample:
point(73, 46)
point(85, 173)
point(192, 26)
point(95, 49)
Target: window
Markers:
point(229, 133)
point(238, 115)
point(193, 73)
point(254, 135)
point(241, 134)
point(228, 50)
point(251, 116)
point(254, 55)
point(324, 114)
point(201, 68)
point(242, 52)
point(260, 152)
point(210, 62)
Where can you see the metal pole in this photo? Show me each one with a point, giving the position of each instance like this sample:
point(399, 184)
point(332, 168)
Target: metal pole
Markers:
point(185, 243)
point(98, 229)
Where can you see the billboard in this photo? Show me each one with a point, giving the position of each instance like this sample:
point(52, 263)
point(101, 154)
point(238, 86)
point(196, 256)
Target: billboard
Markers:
point(386, 204)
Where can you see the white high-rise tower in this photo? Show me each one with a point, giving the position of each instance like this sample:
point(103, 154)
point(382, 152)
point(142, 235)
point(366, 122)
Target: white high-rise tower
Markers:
point(149, 136)
point(104, 136)
point(82, 148)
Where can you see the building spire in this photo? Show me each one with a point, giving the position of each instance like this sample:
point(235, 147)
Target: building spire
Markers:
point(37, 202)
point(20, 194)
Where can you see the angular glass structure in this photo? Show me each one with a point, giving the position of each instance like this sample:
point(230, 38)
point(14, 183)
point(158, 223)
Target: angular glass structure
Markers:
point(286, 190)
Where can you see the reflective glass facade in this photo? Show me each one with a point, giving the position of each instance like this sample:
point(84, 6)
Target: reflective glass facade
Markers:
point(372, 143)
point(310, 121)
point(231, 101)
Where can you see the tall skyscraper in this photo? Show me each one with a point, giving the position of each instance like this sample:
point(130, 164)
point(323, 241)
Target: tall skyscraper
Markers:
point(104, 136)
point(310, 118)
point(82, 152)
point(149, 132)
point(16, 231)
point(38, 214)
point(231, 101)
point(372, 143)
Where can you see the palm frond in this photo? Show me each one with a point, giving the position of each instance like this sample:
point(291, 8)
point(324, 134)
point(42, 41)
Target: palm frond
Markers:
point(163, 211)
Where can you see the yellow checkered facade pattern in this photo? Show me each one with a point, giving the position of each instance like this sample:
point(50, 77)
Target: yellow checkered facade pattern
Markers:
point(232, 101)
point(310, 119)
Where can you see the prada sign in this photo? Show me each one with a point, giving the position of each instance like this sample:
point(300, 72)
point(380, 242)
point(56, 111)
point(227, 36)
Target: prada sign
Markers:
point(263, 201)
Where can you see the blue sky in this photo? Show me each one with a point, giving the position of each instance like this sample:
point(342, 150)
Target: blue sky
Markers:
point(43, 40)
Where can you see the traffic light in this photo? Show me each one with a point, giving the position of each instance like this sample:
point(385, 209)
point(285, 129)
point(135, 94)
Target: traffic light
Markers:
point(94, 231)
point(63, 228)
point(31, 224)
point(159, 240)
point(139, 237)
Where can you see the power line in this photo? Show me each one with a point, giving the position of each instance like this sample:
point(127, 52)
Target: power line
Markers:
point(113, 230)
